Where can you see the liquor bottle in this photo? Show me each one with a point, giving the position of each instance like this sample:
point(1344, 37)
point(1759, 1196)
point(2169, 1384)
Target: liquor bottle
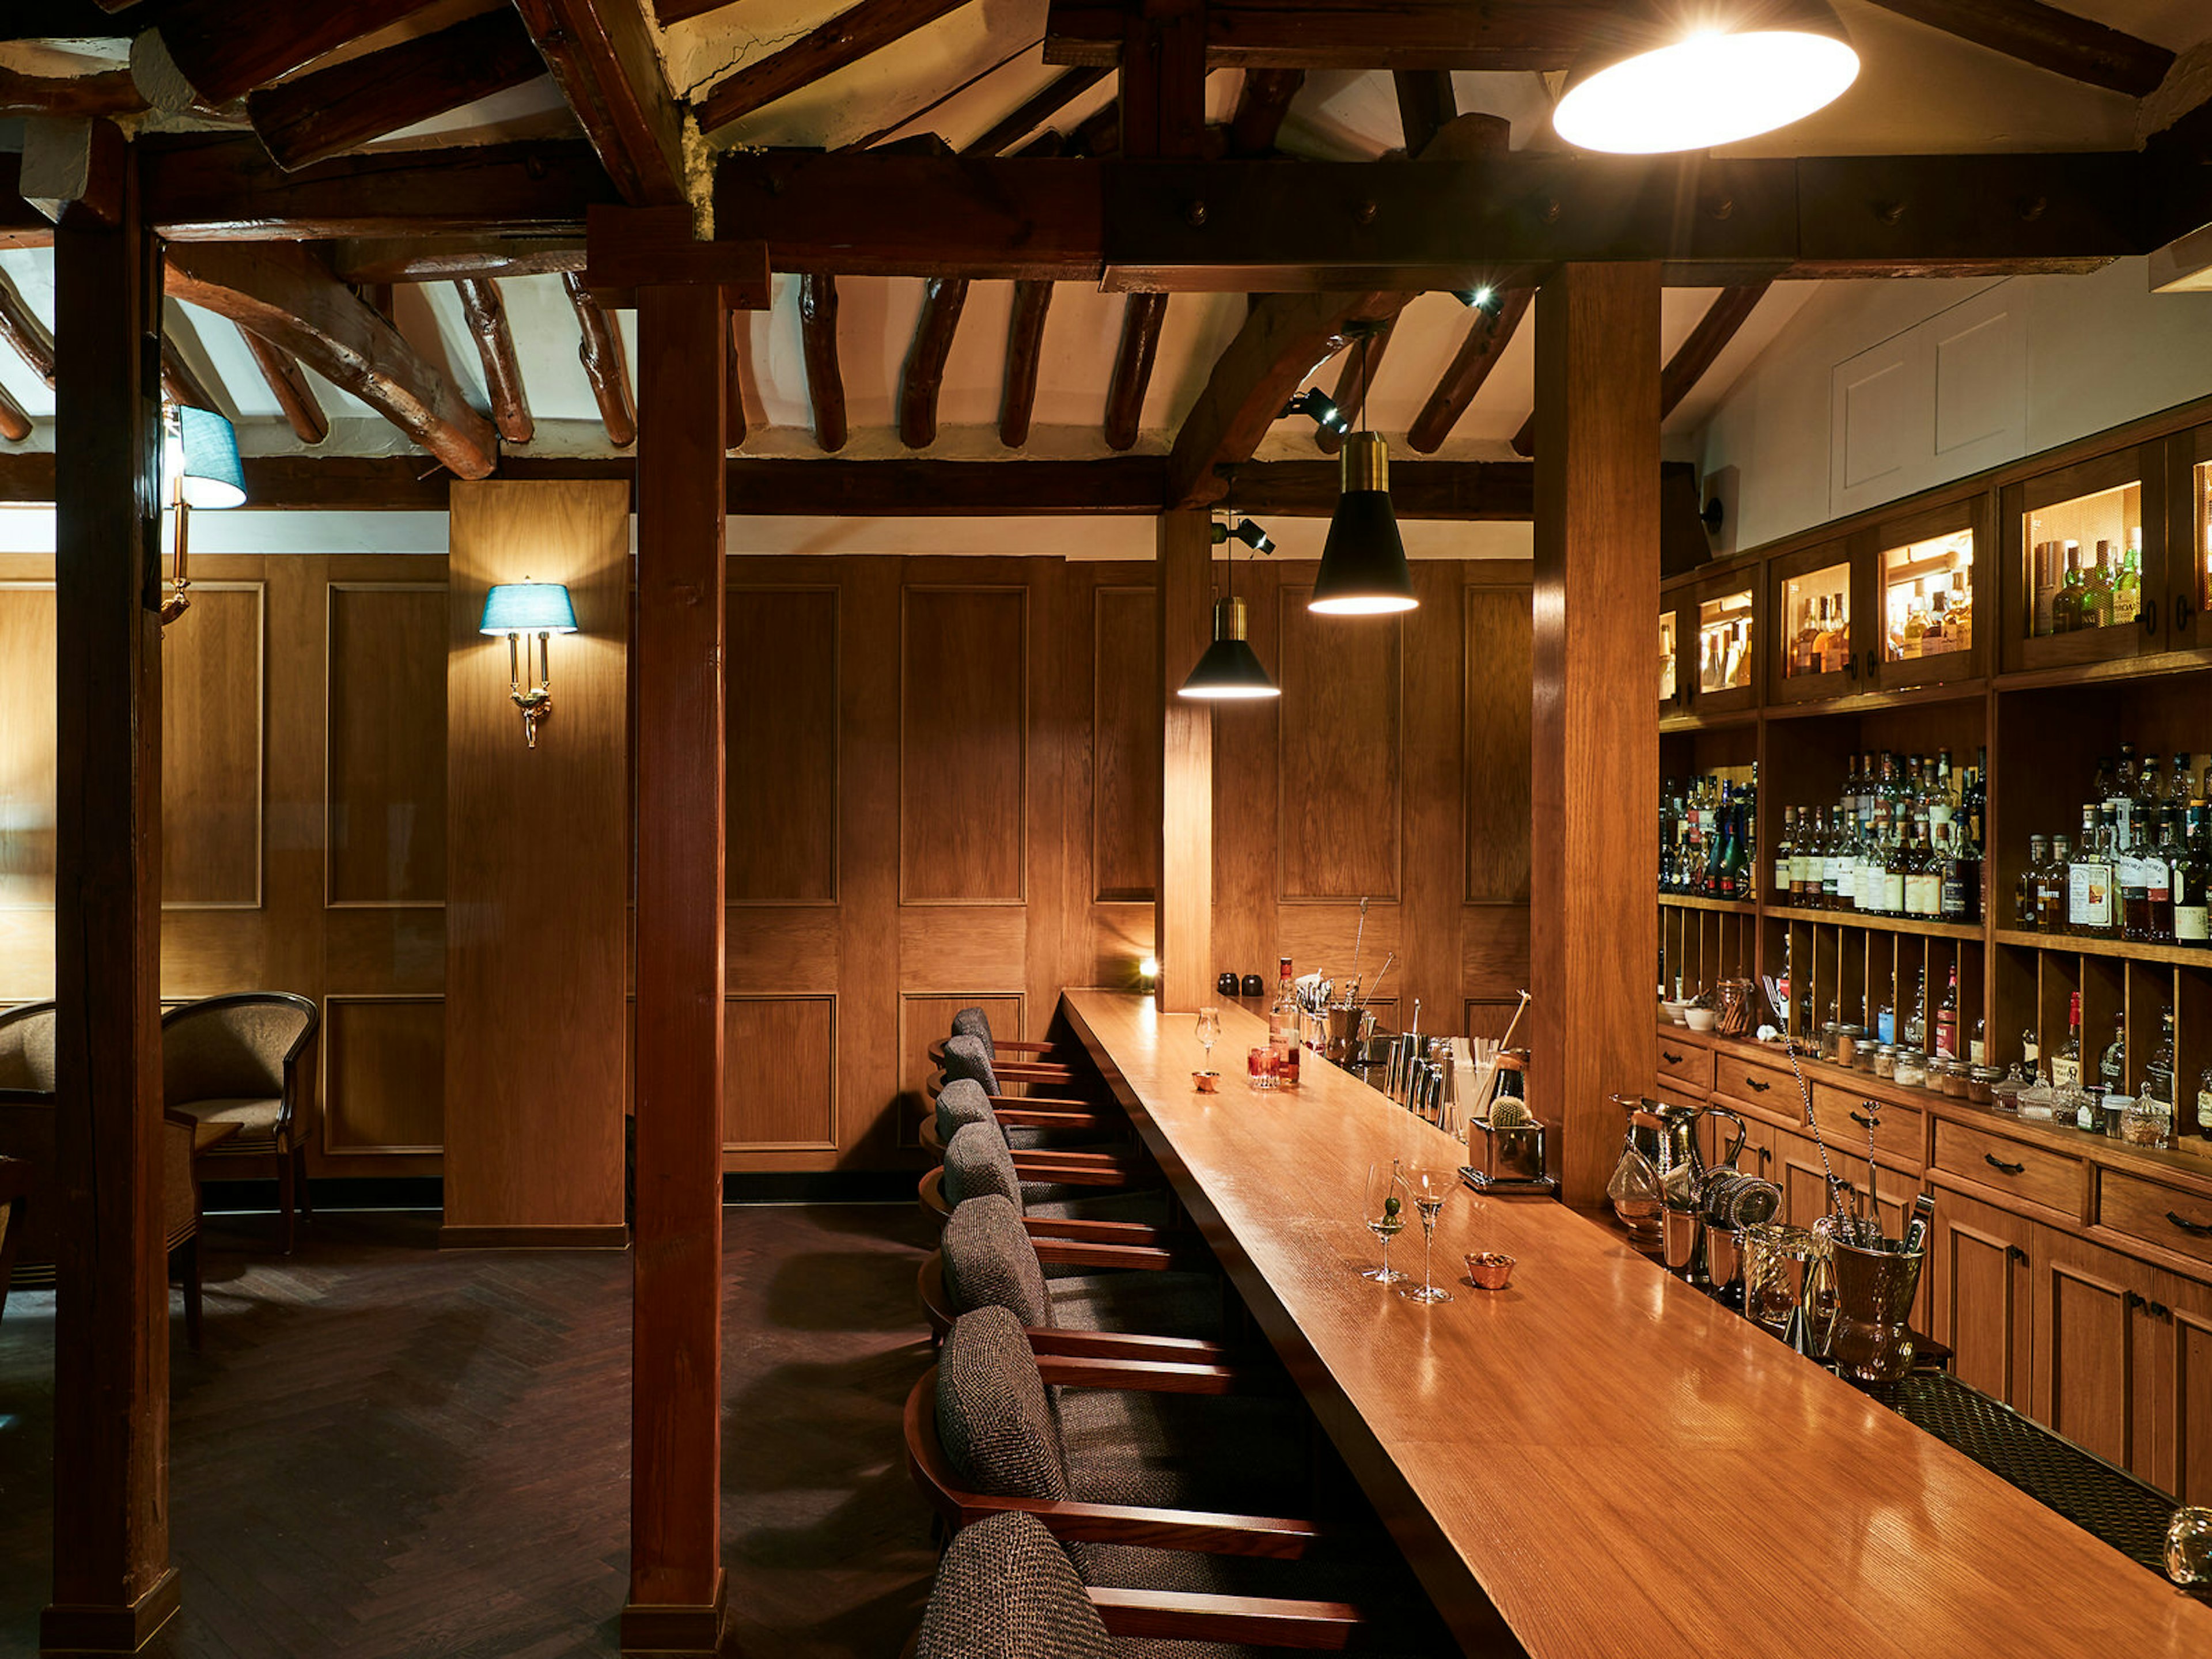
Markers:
point(1867, 884)
point(1924, 878)
point(2066, 1064)
point(1960, 892)
point(1785, 854)
point(2066, 601)
point(2181, 786)
point(2205, 1102)
point(1836, 643)
point(1947, 1018)
point(2112, 1070)
point(2097, 590)
point(2027, 890)
point(2120, 797)
point(2046, 586)
point(1803, 657)
point(2161, 848)
point(2131, 880)
point(1912, 1033)
point(1283, 1027)
point(1893, 880)
point(2089, 906)
point(2158, 1070)
point(2050, 894)
point(2188, 879)
point(2127, 587)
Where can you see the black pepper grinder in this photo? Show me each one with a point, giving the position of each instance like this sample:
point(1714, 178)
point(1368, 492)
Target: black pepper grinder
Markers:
point(1225, 986)
point(1254, 986)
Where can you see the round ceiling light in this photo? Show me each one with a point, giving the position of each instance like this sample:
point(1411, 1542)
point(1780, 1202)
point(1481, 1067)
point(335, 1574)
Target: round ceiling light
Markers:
point(1683, 82)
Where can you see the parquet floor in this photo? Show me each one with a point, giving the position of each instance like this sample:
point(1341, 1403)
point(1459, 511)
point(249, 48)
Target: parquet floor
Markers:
point(386, 1450)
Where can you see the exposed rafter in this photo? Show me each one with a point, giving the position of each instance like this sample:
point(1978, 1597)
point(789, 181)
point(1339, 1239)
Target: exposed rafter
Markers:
point(179, 385)
point(111, 92)
point(21, 329)
point(224, 48)
point(312, 118)
point(1034, 112)
point(1262, 103)
point(286, 295)
point(818, 341)
point(606, 365)
point(1024, 350)
point(288, 383)
point(603, 59)
point(15, 424)
point(1339, 34)
point(1425, 103)
point(2049, 38)
point(942, 300)
point(1141, 316)
point(486, 313)
point(845, 38)
point(739, 395)
point(1731, 310)
point(1485, 342)
point(372, 259)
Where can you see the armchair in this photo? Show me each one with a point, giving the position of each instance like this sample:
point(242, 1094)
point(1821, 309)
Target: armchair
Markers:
point(248, 1059)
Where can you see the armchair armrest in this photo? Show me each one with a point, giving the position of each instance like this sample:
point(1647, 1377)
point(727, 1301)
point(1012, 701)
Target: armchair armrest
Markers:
point(1113, 1345)
point(1154, 1375)
point(1259, 1621)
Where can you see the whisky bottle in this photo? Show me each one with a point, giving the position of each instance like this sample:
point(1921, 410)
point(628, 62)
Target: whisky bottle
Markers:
point(2127, 587)
point(2050, 889)
point(2187, 881)
point(1893, 878)
point(2027, 890)
point(2066, 603)
point(1961, 895)
point(1785, 854)
point(2158, 1070)
point(2161, 848)
point(1283, 1027)
point(2066, 1064)
point(2089, 907)
point(2046, 586)
point(2097, 590)
point(1947, 1018)
point(1922, 880)
point(2112, 1070)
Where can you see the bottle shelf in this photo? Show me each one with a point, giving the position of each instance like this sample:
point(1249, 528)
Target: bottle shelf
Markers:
point(1723, 907)
point(1965, 930)
point(2187, 956)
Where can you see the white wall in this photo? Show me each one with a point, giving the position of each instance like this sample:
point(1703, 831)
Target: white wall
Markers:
point(2095, 351)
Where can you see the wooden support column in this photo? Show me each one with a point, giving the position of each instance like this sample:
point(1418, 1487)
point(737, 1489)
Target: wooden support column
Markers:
point(1183, 909)
point(113, 1585)
point(1595, 763)
point(676, 1466)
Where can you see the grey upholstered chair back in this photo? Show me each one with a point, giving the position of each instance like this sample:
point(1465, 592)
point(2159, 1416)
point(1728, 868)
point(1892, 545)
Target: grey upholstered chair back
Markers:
point(962, 1101)
point(27, 1048)
point(971, 1057)
point(232, 1047)
point(1005, 1590)
point(976, 1161)
point(990, 1262)
point(975, 1023)
point(998, 1425)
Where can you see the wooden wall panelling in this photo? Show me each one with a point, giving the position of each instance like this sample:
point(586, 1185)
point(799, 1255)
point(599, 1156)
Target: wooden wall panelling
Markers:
point(385, 801)
point(779, 1073)
point(537, 863)
point(1246, 776)
point(1498, 715)
point(963, 745)
point(1125, 773)
point(1433, 766)
point(211, 742)
point(27, 757)
point(781, 680)
point(1340, 736)
point(868, 967)
point(1056, 815)
point(1185, 904)
point(384, 1078)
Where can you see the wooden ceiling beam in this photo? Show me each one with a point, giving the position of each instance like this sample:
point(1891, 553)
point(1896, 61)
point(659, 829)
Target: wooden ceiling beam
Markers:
point(288, 384)
point(846, 39)
point(606, 365)
point(1337, 35)
point(179, 385)
point(289, 298)
point(1425, 102)
point(15, 425)
point(1024, 352)
point(1141, 316)
point(1262, 103)
point(818, 342)
point(2076, 47)
point(109, 92)
point(1501, 220)
point(445, 258)
point(1163, 80)
point(20, 327)
point(740, 394)
point(486, 313)
point(225, 49)
point(312, 118)
point(603, 59)
point(1485, 342)
point(229, 189)
point(666, 12)
point(1731, 310)
point(1039, 108)
point(923, 377)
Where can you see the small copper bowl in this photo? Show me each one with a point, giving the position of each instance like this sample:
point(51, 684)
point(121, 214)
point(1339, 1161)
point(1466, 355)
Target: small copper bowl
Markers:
point(1206, 1083)
point(1489, 1269)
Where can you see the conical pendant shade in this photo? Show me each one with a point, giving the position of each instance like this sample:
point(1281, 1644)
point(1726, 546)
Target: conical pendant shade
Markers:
point(1230, 668)
point(1363, 563)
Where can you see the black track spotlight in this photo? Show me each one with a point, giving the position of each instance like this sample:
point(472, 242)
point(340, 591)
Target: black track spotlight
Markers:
point(1483, 299)
point(1320, 408)
point(1246, 532)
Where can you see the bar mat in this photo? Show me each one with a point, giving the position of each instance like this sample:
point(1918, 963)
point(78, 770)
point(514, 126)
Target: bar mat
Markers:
point(2129, 1514)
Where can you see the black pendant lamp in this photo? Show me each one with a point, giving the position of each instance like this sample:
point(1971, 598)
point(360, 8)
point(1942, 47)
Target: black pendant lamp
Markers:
point(1363, 563)
point(1230, 670)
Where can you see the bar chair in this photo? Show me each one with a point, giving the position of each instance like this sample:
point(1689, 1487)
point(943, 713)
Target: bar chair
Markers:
point(1047, 1187)
point(248, 1059)
point(1127, 1463)
point(969, 1057)
point(975, 1023)
point(1026, 1128)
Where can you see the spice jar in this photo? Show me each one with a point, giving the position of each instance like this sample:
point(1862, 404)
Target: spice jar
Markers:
point(1956, 1081)
point(1911, 1068)
point(1847, 1038)
point(1982, 1085)
point(1885, 1060)
point(1831, 1034)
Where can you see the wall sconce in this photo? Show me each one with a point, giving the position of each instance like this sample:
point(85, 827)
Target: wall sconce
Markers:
point(519, 609)
point(1148, 974)
point(199, 460)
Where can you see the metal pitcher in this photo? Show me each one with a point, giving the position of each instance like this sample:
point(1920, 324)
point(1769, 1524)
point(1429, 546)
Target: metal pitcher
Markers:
point(1868, 1338)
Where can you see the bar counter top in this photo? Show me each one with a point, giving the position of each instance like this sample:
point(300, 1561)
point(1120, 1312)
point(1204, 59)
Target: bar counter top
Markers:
point(1598, 1460)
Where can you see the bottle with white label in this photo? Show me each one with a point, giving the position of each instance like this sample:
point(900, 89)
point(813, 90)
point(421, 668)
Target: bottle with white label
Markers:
point(2187, 883)
point(2066, 1064)
point(2090, 906)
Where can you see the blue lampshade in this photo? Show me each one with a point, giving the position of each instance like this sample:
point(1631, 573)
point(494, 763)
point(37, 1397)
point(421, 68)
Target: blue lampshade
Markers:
point(528, 608)
point(206, 456)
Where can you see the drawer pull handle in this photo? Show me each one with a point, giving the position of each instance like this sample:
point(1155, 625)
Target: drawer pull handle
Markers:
point(1756, 1086)
point(1866, 1122)
point(1999, 1164)
point(1766, 1153)
point(2133, 1299)
point(2195, 1229)
point(2158, 1310)
point(2014, 1254)
point(1670, 1057)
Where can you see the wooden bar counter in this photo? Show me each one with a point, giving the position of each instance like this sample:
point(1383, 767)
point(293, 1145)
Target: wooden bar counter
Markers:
point(1598, 1460)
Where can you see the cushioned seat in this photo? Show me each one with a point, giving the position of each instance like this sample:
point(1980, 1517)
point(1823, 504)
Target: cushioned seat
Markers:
point(962, 1101)
point(1005, 1590)
point(256, 1121)
point(977, 1161)
point(990, 1261)
point(248, 1059)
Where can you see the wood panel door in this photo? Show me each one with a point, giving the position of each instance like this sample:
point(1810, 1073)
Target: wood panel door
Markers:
point(2186, 1471)
point(1983, 1302)
point(2110, 501)
point(2103, 1364)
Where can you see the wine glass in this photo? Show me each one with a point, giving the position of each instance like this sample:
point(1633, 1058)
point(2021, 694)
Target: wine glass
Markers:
point(1209, 1032)
point(1385, 1215)
point(1429, 1185)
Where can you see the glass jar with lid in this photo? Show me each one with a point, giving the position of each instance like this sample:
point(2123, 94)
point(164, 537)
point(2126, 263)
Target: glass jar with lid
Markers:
point(1884, 1059)
point(1982, 1085)
point(1911, 1068)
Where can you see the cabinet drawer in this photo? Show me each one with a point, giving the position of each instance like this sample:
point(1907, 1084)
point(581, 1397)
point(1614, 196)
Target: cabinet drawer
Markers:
point(1763, 1087)
point(2148, 1210)
point(1900, 1131)
point(1687, 1065)
point(2009, 1166)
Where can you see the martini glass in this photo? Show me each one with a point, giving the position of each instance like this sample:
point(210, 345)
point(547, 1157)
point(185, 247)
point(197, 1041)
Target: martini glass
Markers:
point(1209, 1032)
point(1429, 1186)
point(1385, 1215)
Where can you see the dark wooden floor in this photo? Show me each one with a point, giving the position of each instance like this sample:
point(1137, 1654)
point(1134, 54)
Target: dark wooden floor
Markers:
point(386, 1450)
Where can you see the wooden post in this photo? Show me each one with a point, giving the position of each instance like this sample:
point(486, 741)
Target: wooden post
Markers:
point(1594, 771)
point(676, 1584)
point(113, 1586)
point(1182, 911)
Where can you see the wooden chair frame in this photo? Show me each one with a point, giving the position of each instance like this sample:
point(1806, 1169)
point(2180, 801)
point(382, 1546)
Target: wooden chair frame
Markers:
point(289, 1166)
point(936, 1308)
point(1103, 1170)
